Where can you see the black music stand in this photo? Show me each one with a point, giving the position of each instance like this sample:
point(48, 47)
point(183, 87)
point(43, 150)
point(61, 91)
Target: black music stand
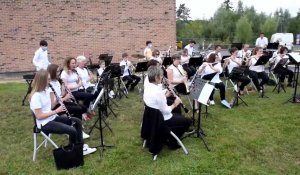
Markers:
point(196, 61)
point(167, 61)
point(272, 46)
point(28, 78)
point(280, 85)
point(141, 67)
point(200, 91)
point(117, 72)
point(262, 61)
point(234, 74)
point(295, 59)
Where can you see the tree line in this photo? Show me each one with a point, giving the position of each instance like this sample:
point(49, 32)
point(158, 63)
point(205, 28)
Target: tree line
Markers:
point(242, 25)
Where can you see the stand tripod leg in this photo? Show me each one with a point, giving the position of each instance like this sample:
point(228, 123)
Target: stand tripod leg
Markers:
point(200, 132)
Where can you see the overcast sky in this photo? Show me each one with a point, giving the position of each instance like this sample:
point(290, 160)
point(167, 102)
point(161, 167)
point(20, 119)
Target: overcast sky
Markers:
point(206, 8)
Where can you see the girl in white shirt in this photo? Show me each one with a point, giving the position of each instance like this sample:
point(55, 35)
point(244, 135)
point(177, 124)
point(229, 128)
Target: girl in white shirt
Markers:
point(47, 119)
point(256, 72)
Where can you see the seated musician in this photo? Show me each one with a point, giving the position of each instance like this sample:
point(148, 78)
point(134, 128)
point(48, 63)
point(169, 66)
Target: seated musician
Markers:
point(213, 65)
point(185, 59)
point(274, 56)
point(48, 120)
point(85, 75)
point(280, 67)
point(234, 61)
point(132, 80)
point(154, 97)
point(73, 82)
point(147, 50)
point(156, 56)
point(217, 51)
point(256, 72)
point(111, 82)
point(190, 47)
point(177, 76)
point(244, 52)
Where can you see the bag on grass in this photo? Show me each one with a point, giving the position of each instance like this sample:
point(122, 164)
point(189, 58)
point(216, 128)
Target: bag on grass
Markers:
point(68, 156)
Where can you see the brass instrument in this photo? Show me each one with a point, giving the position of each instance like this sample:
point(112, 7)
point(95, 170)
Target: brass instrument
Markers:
point(173, 92)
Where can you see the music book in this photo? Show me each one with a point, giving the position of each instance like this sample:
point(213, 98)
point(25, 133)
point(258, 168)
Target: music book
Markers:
point(201, 91)
point(294, 57)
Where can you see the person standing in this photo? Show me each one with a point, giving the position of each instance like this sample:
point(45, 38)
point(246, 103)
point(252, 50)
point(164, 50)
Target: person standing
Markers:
point(40, 59)
point(262, 41)
point(147, 50)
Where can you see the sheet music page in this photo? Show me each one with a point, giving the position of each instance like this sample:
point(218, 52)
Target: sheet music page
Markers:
point(296, 56)
point(205, 93)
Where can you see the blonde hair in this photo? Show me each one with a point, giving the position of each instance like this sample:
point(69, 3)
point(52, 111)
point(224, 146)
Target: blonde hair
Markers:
point(80, 58)
point(40, 82)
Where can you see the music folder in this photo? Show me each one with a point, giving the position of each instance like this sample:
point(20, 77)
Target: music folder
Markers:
point(262, 60)
point(209, 76)
point(201, 91)
point(294, 57)
point(141, 66)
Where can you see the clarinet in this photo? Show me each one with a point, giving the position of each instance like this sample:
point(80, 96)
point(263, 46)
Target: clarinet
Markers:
point(68, 91)
point(75, 71)
point(166, 85)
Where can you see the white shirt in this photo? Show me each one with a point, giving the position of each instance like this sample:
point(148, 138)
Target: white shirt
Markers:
point(177, 76)
point(232, 64)
point(185, 59)
point(56, 86)
point(219, 55)
point(154, 97)
point(41, 100)
point(148, 52)
point(261, 42)
point(242, 53)
point(252, 62)
point(126, 69)
point(207, 70)
point(40, 59)
point(100, 71)
point(71, 79)
point(157, 59)
point(190, 49)
point(85, 77)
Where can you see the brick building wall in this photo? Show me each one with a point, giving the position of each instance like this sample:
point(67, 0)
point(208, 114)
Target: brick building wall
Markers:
point(74, 27)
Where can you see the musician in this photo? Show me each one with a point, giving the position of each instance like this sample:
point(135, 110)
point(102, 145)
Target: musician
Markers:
point(156, 56)
point(279, 67)
point(244, 52)
point(262, 41)
point(217, 51)
point(213, 65)
point(85, 75)
point(73, 82)
point(154, 97)
point(47, 119)
point(111, 82)
point(177, 76)
point(234, 61)
point(40, 59)
point(147, 50)
point(256, 72)
point(185, 59)
point(190, 47)
point(132, 80)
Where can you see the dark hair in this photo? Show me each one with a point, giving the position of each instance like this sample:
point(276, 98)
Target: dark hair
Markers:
point(192, 41)
point(124, 55)
point(148, 42)
point(282, 49)
point(176, 56)
point(261, 33)
point(52, 69)
point(152, 62)
point(43, 43)
point(211, 58)
point(154, 52)
point(185, 51)
point(216, 46)
point(233, 49)
point(256, 49)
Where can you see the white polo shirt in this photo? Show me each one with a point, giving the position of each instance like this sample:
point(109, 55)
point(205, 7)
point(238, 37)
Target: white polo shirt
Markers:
point(40, 59)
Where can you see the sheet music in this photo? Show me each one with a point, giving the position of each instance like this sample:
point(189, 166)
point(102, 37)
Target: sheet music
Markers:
point(201, 90)
point(205, 93)
point(295, 56)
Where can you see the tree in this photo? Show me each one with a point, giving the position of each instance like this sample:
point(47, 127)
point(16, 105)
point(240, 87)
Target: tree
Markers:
point(227, 5)
point(240, 8)
point(294, 25)
point(269, 27)
point(183, 13)
point(283, 17)
point(243, 31)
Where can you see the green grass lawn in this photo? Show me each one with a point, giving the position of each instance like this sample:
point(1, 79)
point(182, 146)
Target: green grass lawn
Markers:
point(262, 138)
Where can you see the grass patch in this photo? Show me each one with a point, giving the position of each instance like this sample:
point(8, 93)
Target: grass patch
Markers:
point(262, 138)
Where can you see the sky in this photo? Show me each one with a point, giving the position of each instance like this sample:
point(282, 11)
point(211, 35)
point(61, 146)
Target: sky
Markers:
point(204, 9)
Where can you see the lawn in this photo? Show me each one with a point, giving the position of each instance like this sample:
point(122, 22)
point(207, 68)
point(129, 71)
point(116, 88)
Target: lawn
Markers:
point(262, 138)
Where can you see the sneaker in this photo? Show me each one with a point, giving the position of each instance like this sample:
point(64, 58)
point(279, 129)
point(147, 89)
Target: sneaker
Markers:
point(87, 150)
point(212, 102)
point(110, 96)
point(226, 104)
point(85, 135)
point(112, 92)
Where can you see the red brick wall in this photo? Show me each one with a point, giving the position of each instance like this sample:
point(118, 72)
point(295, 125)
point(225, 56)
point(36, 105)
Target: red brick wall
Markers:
point(73, 27)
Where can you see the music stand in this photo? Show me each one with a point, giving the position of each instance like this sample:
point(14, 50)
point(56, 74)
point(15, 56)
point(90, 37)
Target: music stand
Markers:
point(167, 61)
point(196, 61)
point(295, 59)
point(280, 85)
point(29, 79)
point(272, 46)
point(141, 67)
point(261, 62)
point(234, 74)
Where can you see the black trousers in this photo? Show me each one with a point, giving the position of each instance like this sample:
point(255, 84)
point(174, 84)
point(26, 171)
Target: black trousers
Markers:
point(178, 125)
point(170, 101)
point(243, 79)
point(75, 110)
point(62, 125)
point(132, 80)
point(221, 87)
point(255, 76)
point(85, 97)
point(283, 71)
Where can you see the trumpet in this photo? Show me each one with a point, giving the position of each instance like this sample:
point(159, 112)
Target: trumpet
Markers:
point(173, 92)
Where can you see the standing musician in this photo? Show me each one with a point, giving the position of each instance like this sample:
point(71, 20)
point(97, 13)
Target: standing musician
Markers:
point(190, 47)
point(40, 59)
point(73, 82)
point(213, 65)
point(256, 72)
point(234, 61)
point(185, 59)
point(244, 53)
point(262, 41)
point(132, 80)
point(154, 97)
point(85, 75)
point(48, 120)
point(147, 50)
point(280, 61)
point(177, 76)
